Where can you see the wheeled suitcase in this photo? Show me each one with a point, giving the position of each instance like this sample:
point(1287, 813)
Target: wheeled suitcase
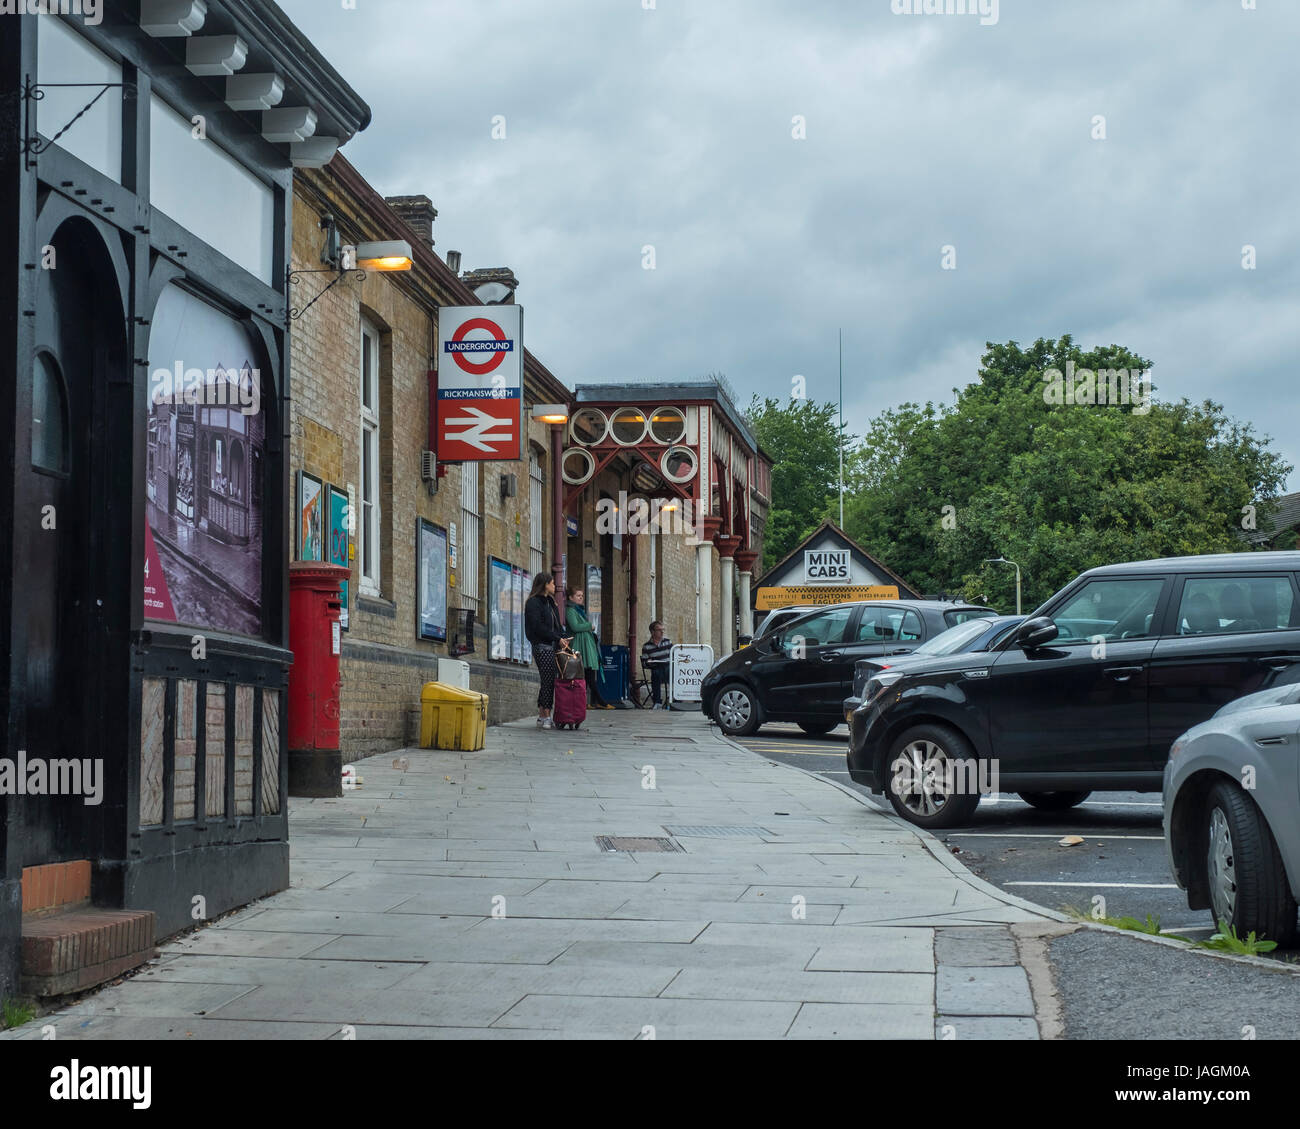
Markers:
point(570, 702)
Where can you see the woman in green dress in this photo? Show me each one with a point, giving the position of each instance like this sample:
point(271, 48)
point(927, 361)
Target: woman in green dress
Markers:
point(584, 643)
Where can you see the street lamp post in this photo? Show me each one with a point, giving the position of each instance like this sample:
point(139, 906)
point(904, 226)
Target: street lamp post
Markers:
point(1003, 560)
point(556, 415)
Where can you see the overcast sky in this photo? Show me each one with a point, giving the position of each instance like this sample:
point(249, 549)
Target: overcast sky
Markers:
point(673, 127)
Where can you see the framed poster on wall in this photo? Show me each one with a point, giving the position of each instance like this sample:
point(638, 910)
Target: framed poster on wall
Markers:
point(516, 613)
point(311, 503)
point(527, 647)
point(593, 598)
point(500, 600)
point(339, 543)
point(431, 572)
point(206, 462)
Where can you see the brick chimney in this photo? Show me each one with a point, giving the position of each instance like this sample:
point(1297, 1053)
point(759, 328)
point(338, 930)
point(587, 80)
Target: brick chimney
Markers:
point(417, 212)
point(504, 278)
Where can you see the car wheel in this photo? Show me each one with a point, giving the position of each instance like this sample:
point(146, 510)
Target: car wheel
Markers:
point(1247, 881)
point(737, 711)
point(932, 777)
point(1054, 801)
point(817, 728)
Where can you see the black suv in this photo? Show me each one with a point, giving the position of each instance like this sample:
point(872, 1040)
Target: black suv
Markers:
point(1090, 691)
point(803, 671)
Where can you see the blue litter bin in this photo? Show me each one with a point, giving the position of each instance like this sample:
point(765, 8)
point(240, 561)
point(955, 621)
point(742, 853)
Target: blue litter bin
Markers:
point(611, 679)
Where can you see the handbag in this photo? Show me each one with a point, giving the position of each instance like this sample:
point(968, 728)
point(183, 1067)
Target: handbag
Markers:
point(568, 665)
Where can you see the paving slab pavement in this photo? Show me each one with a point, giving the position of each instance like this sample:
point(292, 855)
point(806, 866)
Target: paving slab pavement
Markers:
point(466, 896)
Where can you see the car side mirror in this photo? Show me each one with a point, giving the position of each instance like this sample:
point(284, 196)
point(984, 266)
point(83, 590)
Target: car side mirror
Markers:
point(1036, 632)
point(744, 640)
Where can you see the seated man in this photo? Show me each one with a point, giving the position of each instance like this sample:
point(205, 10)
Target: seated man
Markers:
point(1198, 616)
point(655, 656)
point(1234, 607)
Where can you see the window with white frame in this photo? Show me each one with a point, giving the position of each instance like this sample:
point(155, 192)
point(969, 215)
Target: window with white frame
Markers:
point(368, 523)
point(469, 536)
point(536, 557)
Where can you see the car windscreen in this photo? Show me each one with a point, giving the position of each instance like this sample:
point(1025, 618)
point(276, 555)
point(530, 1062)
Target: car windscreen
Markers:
point(1004, 633)
point(775, 620)
point(965, 615)
point(816, 629)
point(954, 640)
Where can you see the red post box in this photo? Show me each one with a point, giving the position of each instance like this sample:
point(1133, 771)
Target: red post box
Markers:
point(315, 758)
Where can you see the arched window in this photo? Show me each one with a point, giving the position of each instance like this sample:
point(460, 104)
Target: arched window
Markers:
point(237, 470)
point(49, 416)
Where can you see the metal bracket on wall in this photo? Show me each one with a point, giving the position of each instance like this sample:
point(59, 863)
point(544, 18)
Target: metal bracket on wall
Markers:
point(295, 277)
point(32, 92)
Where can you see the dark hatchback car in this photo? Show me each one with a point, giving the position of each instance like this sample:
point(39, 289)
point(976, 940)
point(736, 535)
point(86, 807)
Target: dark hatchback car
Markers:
point(1089, 693)
point(803, 670)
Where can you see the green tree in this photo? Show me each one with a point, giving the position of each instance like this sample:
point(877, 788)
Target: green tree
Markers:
point(800, 436)
point(1057, 487)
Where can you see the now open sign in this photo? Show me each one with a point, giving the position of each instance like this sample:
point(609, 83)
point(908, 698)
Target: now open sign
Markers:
point(826, 566)
point(690, 663)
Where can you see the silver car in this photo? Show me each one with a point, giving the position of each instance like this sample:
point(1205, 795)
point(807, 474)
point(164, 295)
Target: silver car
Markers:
point(1232, 813)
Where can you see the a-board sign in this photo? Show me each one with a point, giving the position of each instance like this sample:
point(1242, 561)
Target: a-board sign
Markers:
point(690, 662)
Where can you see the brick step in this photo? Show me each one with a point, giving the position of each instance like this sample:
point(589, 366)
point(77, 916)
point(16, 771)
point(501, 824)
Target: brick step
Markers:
point(75, 949)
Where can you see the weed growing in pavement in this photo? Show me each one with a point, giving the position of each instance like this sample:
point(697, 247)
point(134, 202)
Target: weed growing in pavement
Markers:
point(16, 1013)
point(1150, 926)
point(1224, 941)
point(1227, 941)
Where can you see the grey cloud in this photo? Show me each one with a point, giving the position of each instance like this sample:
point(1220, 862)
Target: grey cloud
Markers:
point(672, 127)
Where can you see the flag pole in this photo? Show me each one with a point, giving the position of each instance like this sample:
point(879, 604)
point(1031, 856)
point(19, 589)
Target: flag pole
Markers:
point(841, 431)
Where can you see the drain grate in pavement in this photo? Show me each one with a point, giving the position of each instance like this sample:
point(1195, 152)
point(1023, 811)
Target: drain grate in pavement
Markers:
point(635, 843)
point(663, 737)
point(718, 831)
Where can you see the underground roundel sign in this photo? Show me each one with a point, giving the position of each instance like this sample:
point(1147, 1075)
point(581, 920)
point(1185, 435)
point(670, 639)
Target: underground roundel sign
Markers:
point(480, 383)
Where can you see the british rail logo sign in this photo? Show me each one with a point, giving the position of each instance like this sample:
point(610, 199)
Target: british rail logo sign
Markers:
point(480, 383)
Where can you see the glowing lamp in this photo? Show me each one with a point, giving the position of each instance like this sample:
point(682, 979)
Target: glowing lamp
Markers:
point(551, 413)
point(393, 255)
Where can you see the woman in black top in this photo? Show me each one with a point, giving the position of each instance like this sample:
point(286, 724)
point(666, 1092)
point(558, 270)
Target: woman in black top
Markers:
point(544, 631)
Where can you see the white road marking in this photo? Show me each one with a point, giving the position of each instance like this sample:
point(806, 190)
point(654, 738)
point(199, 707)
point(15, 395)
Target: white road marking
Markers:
point(1013, 798)
point(809, 753)
point(1119, 804)
point(1055, 835)
point(794, 745)
point(1109, 885)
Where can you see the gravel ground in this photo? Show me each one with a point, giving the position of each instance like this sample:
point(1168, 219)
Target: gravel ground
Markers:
point(1116, 987)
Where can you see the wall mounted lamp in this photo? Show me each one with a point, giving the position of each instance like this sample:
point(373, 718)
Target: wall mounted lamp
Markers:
point(383, 257)
point(393, 255)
